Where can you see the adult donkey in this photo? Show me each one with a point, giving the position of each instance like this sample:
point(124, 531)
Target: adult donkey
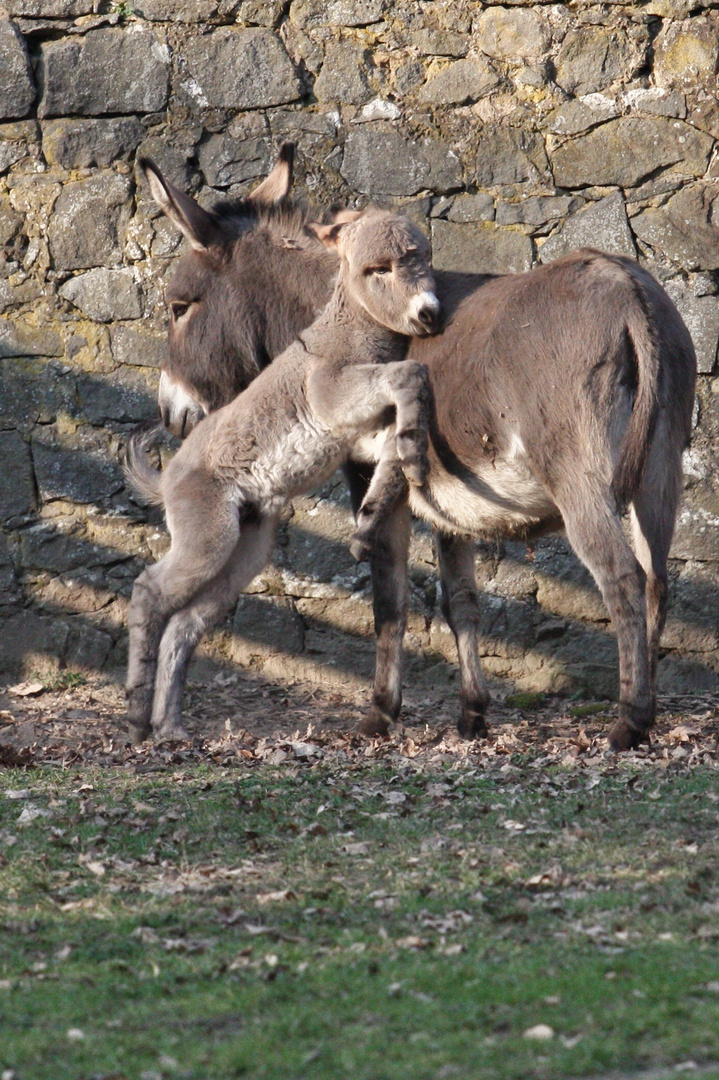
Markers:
point(562, 397)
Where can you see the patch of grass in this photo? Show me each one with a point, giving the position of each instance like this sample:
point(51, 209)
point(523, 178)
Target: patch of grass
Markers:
point(63, 680)
point(525, 699)
point(579, 712)
point(377, 922)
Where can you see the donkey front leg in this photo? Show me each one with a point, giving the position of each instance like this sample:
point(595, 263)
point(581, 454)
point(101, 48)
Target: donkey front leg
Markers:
point(390, 588)
point(187, 626)
point(460, 607)
point(356, 398)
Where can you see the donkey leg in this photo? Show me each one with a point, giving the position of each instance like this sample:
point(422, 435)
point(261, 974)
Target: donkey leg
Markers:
point(653, 515)
point(387, 488)
point(595, 533)
point(204, 530)
point(460, 607)
point(187, 626)
point(390, 587)
point(146, 623)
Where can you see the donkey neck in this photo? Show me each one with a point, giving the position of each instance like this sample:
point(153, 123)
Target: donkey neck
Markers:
point(346, 331)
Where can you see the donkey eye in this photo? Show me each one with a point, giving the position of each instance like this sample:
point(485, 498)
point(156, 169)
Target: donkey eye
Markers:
point(179, 309)
point(378, 270)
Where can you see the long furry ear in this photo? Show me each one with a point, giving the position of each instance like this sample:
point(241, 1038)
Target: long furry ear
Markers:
point(329, 235)
point(275, 187)
point(194, 223)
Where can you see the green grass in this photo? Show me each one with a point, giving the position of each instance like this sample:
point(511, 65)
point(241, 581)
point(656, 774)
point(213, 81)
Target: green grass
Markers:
point(368, 922)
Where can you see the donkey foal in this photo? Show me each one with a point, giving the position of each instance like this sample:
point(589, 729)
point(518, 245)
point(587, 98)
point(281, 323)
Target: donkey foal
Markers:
point(342, 388)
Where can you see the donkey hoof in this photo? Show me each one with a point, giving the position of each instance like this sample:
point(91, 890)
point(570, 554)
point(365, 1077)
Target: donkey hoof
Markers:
point(138, 732)
point(360, 548)
point(372, 726)
point(472, 726)
point(415, 472)
point(171, 733)
point(623, 736)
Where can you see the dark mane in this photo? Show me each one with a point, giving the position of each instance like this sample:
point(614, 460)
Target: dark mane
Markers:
point(288, 218)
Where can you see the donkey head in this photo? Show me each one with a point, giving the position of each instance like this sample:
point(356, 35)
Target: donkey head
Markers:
point(385, 267)
point(254, 276)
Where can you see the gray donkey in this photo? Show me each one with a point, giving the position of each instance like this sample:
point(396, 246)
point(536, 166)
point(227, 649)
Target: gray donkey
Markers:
point(342, 388)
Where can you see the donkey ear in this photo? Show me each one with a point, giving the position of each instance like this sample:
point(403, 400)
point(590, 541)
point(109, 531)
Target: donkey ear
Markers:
point(192, 221)
point(346, 216)
point(276, 186)
point(329, 235)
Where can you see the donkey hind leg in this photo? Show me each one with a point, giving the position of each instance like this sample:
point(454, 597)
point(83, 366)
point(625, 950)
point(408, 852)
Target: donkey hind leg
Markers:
point(200, 548)
point(595, 533)
point(390, 587)
point(460, 607)
point(653, 514)
point(187, 626)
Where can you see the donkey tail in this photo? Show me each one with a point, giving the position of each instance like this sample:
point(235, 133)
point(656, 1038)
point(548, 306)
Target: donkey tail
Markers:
point(138, 472)
point(636, 442)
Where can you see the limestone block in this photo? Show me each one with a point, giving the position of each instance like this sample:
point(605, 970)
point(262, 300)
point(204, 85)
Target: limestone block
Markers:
point(23, 338)
point(537, 210)
point(685, 229)
point(580, 114)
point(261, 12)
point(592, 58)
point(657, 101)
point(471, 208)
point(687, 53)
point(241, 69)
point(625, 151)
point(266, 624)
point(697, 531)
point(701, 315)
point(345, 75)
point(685, 675)
point(83, 144)
point(512, 33)
point(50, 9)
point(31, 643)
point(58, 547)
point(88, 226)
point(104, 295)
point(181, 11)
point(565, 586)
point(106, 71)
point(131, 346)
point(476, 249)
point(88, 647)
point(602, 225)
point(17, 89)
point(123, 396)
point(16, 479)
point(509, 156)
point(459, 83)
point(34, 391)
point(705, 115)
point(80, 469)
point(310, 14)
point(10, 222)
point(227, 160)
point(430, 42)
point(383, 161)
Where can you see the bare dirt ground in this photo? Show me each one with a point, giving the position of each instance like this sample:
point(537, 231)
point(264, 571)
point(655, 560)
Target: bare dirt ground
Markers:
point(239, 716)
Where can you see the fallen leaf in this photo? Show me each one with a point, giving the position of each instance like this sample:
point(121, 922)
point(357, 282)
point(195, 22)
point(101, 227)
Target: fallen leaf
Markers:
point(26, 689)
point(75, 1034)
point(541, 1032)
point(276, 897)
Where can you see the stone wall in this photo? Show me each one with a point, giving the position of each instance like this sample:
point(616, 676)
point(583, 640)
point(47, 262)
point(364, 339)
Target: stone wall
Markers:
point(514, 132)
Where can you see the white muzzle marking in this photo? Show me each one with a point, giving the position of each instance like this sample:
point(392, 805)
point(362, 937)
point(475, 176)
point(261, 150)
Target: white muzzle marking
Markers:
point(179, 410)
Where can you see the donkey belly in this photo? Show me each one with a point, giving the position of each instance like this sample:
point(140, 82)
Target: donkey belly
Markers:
point(500, 498)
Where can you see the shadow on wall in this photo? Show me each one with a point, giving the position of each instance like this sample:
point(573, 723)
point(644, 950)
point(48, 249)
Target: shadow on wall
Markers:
point(73, 543)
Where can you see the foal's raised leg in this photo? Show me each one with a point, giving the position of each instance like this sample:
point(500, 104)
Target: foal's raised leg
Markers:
point(594, 530)
point(187, 626)
point(460, 607)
